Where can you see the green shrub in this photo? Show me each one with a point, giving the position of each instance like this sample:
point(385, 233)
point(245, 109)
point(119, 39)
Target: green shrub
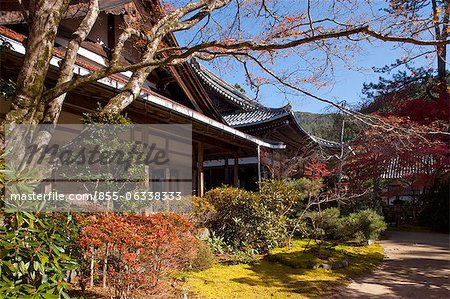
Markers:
point(242, 219)
point(285, 197)
point(204, 258)
point(246, 256)
point(323, 224)
point(360, 227)
point(35, 250)
point(216, 243)
point(262, 220)
point(202, 211)
point(279, 196)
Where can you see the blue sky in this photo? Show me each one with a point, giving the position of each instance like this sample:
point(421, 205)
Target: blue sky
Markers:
point(346, 84)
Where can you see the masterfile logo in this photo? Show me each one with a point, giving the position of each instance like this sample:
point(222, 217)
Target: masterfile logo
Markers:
point(133, 168)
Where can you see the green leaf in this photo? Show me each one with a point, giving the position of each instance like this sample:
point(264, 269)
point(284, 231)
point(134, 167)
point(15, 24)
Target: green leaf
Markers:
point(50, 296)
point(29, 215)
point(43, 286)
point(65, 295)
point(57, 249)
point(43, 258)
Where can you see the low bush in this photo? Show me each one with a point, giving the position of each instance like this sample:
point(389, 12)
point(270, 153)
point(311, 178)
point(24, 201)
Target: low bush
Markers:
point(36, 249)
point(242, 219)
point(358, 227)
point(280, 196)
point(202, 211)
point(204, 258)
point(323, 224)
point(36, 254)
point(216, 243)
point(261, 220)
point(141, 251)
point(246, 256)
point(286, 197)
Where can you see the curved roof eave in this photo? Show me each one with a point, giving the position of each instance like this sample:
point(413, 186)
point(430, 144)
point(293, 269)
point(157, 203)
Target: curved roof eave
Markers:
point(231, 93)
point(224, 88)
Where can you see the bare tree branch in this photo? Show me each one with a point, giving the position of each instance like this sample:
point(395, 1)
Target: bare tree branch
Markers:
point(227, 48)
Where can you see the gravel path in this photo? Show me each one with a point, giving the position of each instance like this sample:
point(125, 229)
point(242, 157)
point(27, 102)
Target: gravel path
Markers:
point(416, 265)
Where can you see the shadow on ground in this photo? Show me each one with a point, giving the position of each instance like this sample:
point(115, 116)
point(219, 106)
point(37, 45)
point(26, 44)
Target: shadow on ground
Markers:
point(300, 278)
point(417, 265)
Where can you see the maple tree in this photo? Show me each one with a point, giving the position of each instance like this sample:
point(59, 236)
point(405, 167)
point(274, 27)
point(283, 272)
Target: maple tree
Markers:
point(418, 160)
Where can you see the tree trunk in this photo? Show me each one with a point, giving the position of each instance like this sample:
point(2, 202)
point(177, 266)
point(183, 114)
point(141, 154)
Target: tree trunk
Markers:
point(53, 109)
point(26, 107)
point(441, 34)
point(45, 17)
point(105, 266)
point(376, 192)
point(91, 270)
point(441, 59)
point(131, 91)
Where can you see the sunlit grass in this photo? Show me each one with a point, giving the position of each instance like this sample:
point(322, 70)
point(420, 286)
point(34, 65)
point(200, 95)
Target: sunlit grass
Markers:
point(283, 273)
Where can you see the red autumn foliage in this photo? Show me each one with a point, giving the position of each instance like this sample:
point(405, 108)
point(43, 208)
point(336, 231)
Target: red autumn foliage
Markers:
point(141, 251)
point(415, 148)
point(316, 170)
point(425, 111)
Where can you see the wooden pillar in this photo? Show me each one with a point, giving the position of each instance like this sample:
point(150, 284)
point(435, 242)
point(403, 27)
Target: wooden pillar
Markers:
point(200, 175)
point(194, 172)
point(236, 171)
point(259, 163)
point(226, 175)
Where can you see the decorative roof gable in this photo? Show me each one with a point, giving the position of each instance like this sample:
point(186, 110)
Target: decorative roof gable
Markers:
point(227, 91)
point(249, 115)
point(253, 117)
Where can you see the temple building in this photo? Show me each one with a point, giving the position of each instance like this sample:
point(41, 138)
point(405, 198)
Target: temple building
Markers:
point(273, 125)
point(234, 137)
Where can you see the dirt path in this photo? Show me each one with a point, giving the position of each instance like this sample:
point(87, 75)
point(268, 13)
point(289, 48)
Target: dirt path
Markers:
point(416, 265)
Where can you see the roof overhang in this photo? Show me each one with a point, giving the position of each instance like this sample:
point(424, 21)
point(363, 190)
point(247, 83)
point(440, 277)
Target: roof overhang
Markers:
point(11, 12)
point(150, 97)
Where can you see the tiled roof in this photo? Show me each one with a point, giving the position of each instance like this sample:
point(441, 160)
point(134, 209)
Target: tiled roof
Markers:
point(397, 169)
point(253, 112)
point(223, 88)
point(265, 115)
point(327, 143)
point(11, 12)
point(246, 118)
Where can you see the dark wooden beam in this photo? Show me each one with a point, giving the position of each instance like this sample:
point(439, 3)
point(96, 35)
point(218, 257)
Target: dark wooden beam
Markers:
point(111, 31)
point(236, 170)
point(200, 174)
